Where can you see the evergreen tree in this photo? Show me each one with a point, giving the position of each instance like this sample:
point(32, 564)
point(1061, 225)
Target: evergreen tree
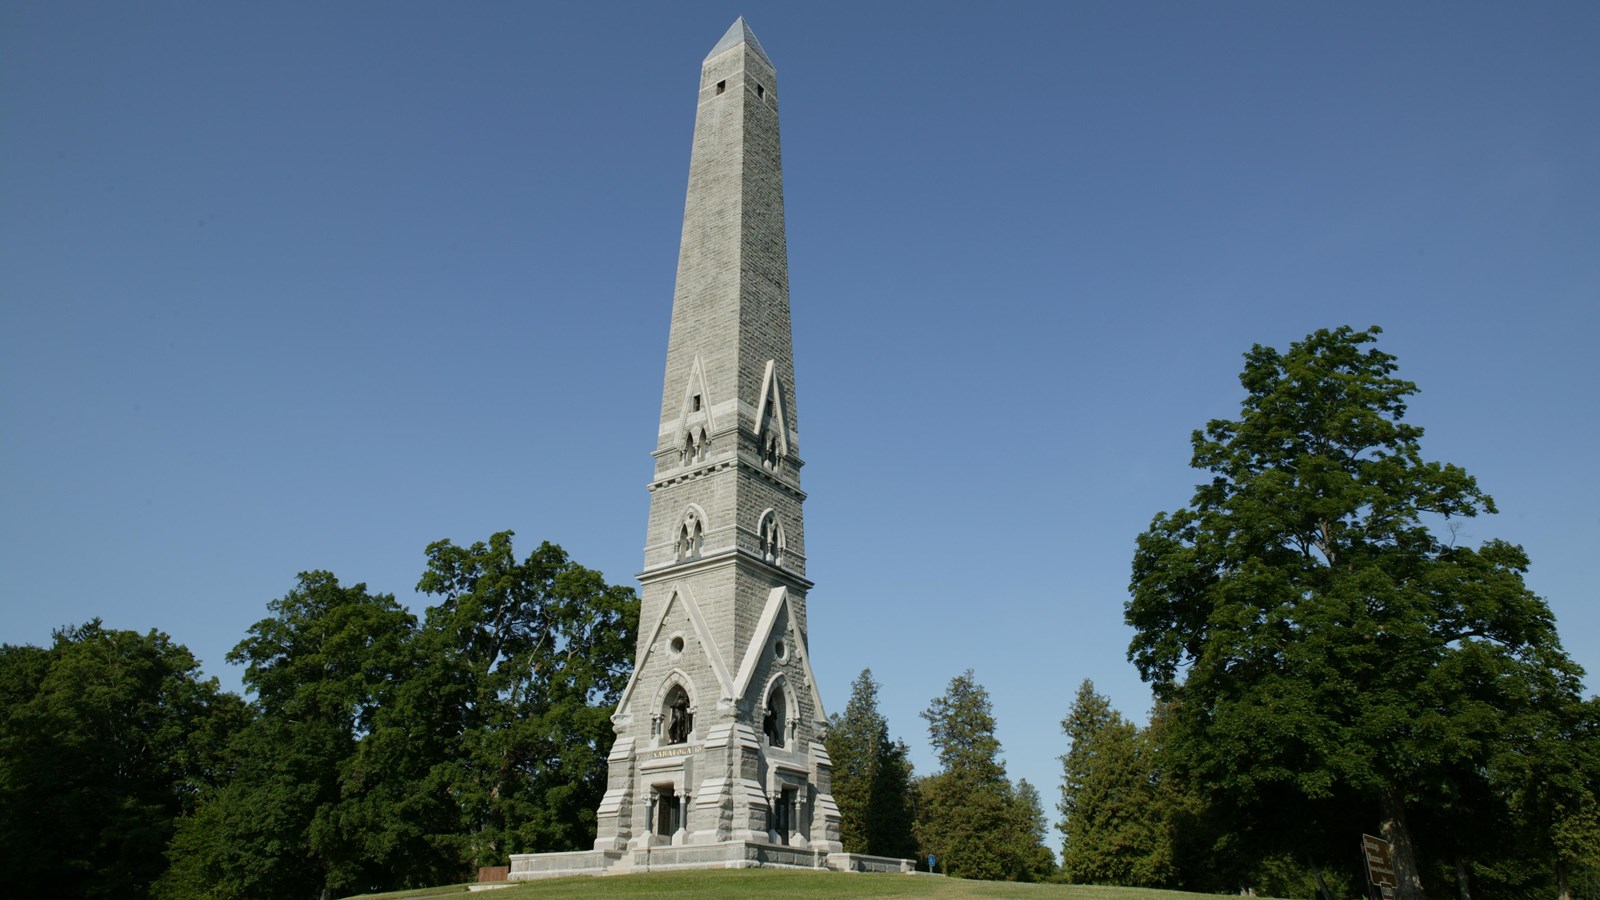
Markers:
point(1113, 817)
point(1335, 661)
point(1038, 862)
point(968, 813)
point(871, 777)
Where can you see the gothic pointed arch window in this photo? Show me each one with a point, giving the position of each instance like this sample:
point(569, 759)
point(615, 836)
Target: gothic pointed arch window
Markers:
point(772, 437)
point(691, 535)
point(695, 445)
point(770, 532)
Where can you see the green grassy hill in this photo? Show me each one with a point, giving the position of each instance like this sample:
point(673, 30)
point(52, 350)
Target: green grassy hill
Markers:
point(791, 884)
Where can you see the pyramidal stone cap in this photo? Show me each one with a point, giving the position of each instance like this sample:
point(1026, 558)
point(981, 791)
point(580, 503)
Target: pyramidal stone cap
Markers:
point(739, 33)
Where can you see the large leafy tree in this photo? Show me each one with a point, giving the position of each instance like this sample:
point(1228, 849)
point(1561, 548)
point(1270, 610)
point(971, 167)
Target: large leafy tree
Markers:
point(871, 776)
point(968, 813)
point(1329, 642)
point(527, 660)
point(105, 741)
point(1552, 784)
point(320, 667)
point(1114, 819)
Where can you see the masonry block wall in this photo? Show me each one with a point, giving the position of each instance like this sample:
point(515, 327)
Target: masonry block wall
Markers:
point(719, 731)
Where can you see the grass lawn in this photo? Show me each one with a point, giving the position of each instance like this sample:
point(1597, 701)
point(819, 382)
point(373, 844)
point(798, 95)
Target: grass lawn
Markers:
point(789, 884)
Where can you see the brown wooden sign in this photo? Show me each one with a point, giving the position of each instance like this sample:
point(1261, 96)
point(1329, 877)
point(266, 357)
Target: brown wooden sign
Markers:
point(1380, 861)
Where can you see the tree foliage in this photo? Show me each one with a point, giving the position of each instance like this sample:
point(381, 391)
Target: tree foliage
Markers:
point(1037, 861)
point(320, 668)
point(1117, 828)
point(529, 659)
point(105, 740)
point(872, 781)
point(969, 815)
point(1336, 654)
point(385, 753)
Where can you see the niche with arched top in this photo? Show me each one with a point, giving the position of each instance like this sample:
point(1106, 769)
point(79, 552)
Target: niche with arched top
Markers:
point(696, 443)
point(775, 716)
point(691, 535)
point(677, 716)
point(770, 532)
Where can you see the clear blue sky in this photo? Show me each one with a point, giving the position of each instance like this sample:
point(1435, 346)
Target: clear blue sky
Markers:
point(305, 285)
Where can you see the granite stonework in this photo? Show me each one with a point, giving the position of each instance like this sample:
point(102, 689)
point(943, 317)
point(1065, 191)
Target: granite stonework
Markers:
point(718, 760)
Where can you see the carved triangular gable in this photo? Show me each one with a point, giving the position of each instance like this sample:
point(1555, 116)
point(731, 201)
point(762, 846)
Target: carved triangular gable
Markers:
point(772, 408)
point(680, 594)
point(777, 601)
point(695, 387)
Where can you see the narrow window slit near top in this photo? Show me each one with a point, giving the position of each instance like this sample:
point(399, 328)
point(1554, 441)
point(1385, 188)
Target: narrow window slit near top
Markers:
point(761, 91)
point(722, 86)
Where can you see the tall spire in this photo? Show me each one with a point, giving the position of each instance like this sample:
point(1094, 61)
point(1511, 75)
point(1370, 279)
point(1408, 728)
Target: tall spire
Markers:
point(723, 707)
point(738, 33)
point(719, 760)
point(731, 304)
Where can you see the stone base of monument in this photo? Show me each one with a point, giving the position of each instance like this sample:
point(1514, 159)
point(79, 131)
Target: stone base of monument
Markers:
point(723, 855)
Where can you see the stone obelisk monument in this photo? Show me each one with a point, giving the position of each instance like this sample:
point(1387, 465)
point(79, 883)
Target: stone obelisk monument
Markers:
point(718, 759)
point(718, 733)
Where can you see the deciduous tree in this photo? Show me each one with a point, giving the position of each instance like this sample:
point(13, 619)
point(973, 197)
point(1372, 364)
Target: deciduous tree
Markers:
point(320, 668)
point(1329, 635)
point(527, 661)
point(103, 745)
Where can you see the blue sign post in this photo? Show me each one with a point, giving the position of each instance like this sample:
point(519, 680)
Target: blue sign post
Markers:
point(931, 861)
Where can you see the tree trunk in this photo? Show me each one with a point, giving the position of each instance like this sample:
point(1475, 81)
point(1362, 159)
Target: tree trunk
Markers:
point(1404, 857)
point(1563, 883)
point(1463, 884)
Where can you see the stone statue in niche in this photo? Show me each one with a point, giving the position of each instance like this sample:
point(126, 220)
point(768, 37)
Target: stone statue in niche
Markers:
point(771, 542)
point(769, 452)
point(681, 720)
point(774, 719)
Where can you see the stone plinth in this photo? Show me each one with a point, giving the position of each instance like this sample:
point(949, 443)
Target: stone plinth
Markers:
point(718, 855)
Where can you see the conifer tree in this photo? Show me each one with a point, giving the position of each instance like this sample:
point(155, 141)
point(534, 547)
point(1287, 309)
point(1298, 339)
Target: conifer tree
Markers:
point(1112, 815)
point(871, 777)
point(968, 813)
point(1032, 828)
